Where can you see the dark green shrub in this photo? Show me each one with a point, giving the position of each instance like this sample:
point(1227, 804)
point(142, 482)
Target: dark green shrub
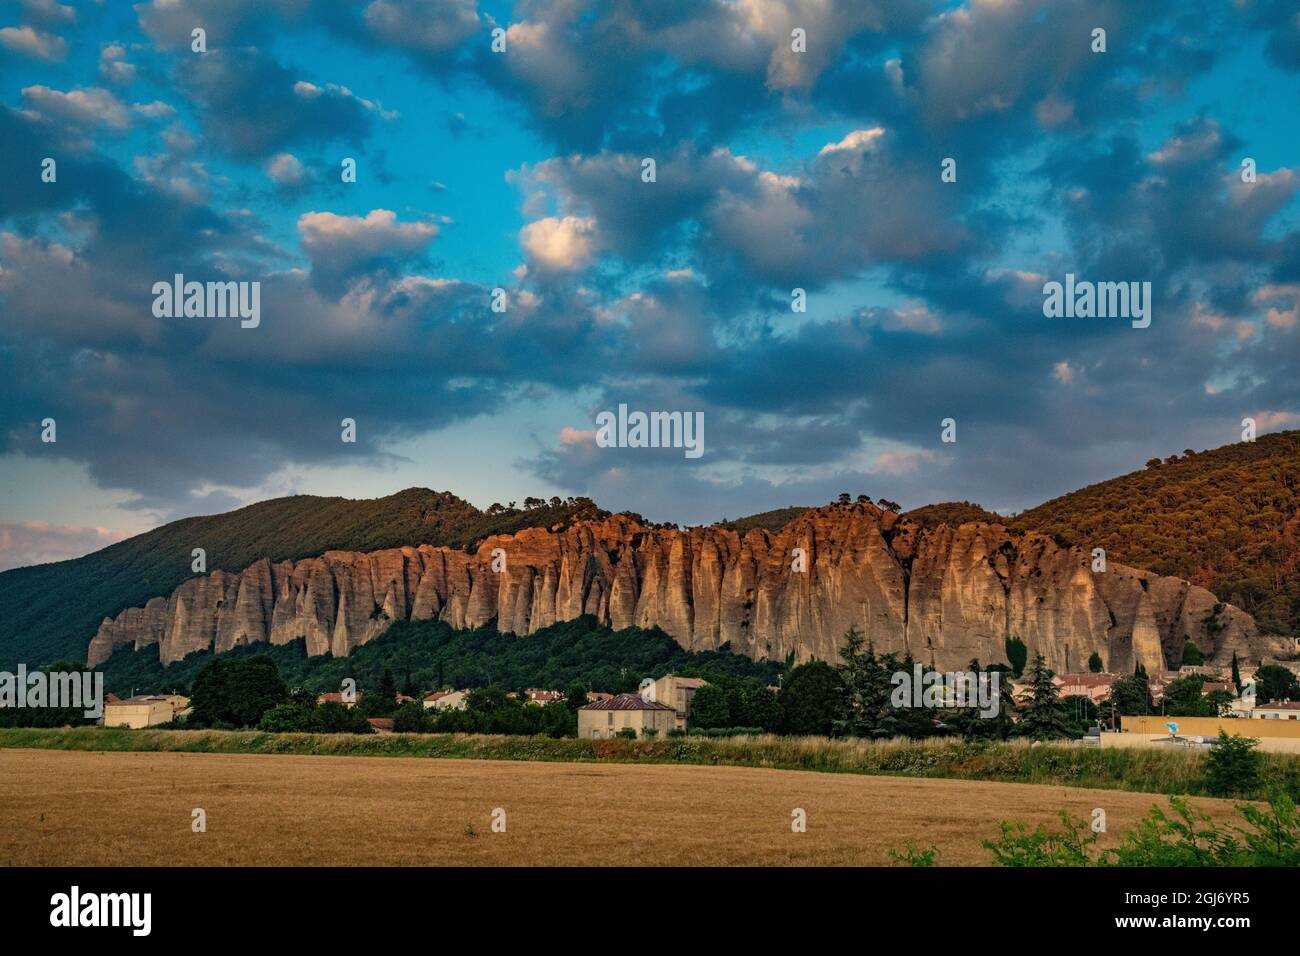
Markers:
point(1232, 767)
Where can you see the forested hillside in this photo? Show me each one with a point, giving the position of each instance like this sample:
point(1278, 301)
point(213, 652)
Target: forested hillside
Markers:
point(1225, 519)
point(424, 655)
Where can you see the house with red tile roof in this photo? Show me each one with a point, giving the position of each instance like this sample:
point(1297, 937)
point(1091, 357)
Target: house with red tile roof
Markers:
point(538, 696)
point(1095, 687)
point(446, 700)
point(337, 697)
point(1278, 710)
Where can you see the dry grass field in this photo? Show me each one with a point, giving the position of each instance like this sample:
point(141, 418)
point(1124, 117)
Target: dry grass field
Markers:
point(75, 808)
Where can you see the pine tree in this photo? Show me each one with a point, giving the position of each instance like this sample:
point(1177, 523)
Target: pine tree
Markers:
point(866, 688)
point(1044, 716)
point(971, 723)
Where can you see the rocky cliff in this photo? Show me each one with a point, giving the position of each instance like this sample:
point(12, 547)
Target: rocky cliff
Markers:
point(945, 594)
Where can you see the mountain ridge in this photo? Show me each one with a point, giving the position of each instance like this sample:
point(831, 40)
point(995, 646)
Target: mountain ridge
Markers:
point(47, 609)
point(945, 595)
point(1169, 518)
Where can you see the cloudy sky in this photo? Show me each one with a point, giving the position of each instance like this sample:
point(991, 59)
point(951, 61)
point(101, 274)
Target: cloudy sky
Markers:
point(521, 170)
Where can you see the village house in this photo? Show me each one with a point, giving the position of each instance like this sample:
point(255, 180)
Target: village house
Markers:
point(1095, 687)
point(677, 693)
point(605, 718)
point(1277, 710)
point(446, 700)
point(337, 697)
point(144, 710)
point(536, 696)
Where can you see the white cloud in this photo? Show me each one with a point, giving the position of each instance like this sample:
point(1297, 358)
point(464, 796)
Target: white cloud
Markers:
point(339, 245)
point(85, 107)
point(155, 110)
point(855, 141)
point(560, 245)
point(286, 169)
point(310, 91)
point(112, 66)
point(33, 43)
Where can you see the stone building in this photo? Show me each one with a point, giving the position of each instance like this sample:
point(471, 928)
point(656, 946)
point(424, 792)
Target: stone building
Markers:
point(605, 718)
point(144, 710)
point(676, 692)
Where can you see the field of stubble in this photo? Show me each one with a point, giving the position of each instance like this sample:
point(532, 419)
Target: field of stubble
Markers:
point(70, 808)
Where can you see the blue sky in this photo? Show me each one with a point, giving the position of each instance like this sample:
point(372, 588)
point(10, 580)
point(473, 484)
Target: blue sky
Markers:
point(521, 170)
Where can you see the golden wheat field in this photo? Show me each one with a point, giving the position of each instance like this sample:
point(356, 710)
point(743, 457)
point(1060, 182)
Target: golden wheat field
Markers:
point(75, 808)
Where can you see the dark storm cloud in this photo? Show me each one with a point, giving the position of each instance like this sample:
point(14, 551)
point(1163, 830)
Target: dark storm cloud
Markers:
point(254, 106)
point(166, 408)
point(170, 23)
point(625, 75)
point(666, 295)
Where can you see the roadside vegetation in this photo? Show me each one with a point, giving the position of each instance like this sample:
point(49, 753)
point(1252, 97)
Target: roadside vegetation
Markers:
point(1179, 836)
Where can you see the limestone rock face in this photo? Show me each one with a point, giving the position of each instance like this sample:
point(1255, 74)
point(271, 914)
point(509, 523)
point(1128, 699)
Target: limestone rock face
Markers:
point(946, 595)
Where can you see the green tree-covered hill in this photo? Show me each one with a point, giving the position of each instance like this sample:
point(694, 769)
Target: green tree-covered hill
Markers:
point(1227, 519)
